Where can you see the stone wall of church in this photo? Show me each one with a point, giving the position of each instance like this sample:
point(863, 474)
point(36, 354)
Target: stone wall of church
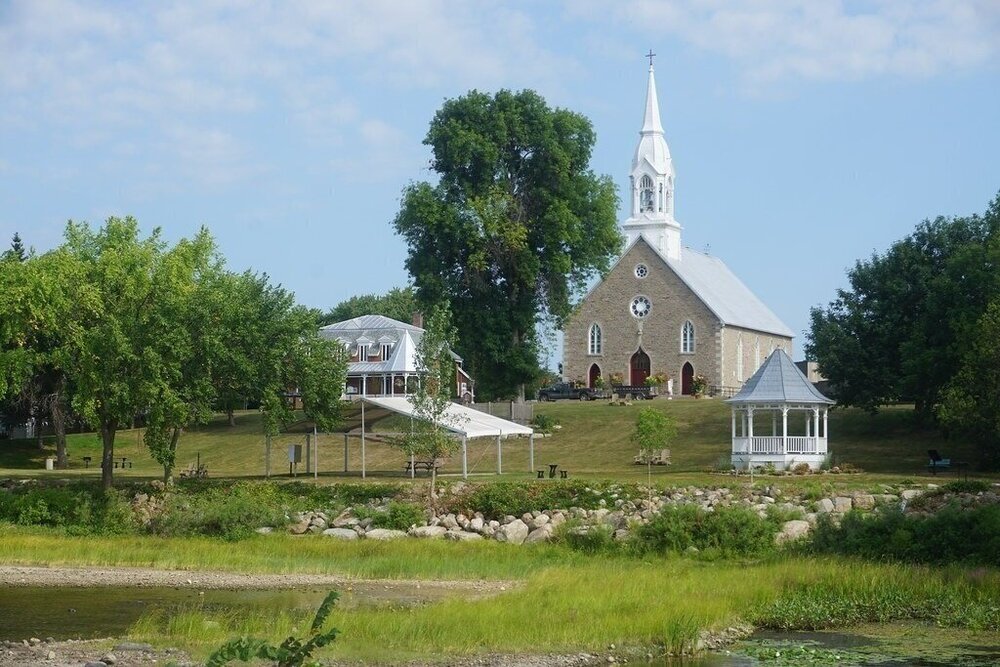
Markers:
point(672, 304)
point(753, 346)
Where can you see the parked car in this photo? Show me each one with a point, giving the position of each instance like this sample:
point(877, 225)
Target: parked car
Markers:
point(566, 390)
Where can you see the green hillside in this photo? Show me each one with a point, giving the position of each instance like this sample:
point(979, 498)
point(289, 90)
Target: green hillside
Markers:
point(594, 440)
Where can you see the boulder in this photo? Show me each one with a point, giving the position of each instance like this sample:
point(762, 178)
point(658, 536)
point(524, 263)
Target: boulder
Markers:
point(299, 528)
point(341, 533)
point(910, 494)
point(539, 521)
point(264, 530)
point(384, 534)
point(460, 536)
point(842, 504)
point(476, 524)
point(514, 532)
point(864, 501)
point(430, 531)
point(542, 534)
point(792, 530)
point(824, 506)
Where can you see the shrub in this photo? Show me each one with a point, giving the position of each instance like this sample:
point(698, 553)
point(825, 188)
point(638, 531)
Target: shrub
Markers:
point(78, 507)
point(728, 532)
point(544, 423)
point(588, 539)
point(499, 499)
point(231, 513)
point(951, 535)
point(397, 516)
point(966, 486)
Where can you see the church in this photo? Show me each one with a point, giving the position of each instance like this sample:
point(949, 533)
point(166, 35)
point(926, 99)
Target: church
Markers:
point(664, 307)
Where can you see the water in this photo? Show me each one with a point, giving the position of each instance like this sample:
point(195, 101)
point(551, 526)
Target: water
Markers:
point(84, 613)
point(88, 613)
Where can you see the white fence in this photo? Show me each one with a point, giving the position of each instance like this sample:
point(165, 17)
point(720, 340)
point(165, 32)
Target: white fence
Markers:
point(775, 444)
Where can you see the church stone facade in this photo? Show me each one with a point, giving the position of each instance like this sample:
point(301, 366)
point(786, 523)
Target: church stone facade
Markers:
point(665, 308)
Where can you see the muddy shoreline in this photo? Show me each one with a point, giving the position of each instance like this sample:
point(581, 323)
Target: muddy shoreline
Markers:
point(140, 577)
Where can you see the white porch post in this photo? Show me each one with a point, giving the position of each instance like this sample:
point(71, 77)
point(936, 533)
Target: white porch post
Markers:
point(465, 457)
point(774, 423)
point(750, 423)
point(816, 427)
point(784, 429)
point(531, 453)
point(363, 470)
point(734, 423)
point(826, 433)
point(499, 458)
point(364, 385)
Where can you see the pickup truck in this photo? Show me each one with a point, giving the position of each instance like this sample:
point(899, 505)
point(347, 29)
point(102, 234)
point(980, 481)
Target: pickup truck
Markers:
point(566, 390)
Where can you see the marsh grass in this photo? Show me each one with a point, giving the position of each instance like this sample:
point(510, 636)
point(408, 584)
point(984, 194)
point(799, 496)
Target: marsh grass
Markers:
point(567, 603)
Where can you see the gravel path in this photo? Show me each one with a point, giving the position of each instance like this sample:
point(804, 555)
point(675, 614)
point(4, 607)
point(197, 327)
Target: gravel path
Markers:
point(57, 575)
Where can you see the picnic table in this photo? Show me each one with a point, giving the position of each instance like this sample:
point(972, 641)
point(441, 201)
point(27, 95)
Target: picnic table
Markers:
point(413, 466)
point(124, 463)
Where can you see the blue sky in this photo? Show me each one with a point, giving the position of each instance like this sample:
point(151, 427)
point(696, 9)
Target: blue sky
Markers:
point(806, 133)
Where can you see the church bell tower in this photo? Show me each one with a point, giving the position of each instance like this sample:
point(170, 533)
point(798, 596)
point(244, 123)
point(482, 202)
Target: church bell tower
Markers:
point(652, 183)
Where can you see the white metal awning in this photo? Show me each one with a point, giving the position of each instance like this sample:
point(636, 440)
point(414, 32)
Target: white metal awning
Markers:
point(458, 419)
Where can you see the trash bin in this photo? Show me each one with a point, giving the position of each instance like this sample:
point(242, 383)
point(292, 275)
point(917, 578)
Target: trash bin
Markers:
point(50, 463)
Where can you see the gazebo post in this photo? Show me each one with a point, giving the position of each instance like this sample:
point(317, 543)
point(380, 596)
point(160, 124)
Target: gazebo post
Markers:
point(531, 453)
point(465, 457)
point(734, 423)
point(816, 427)
point(784, 429)
point(826, 434)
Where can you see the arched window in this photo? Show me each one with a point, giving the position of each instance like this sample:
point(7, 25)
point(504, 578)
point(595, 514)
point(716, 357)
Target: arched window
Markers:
point(739, 358)
point(687, 338)
point(646, 203)
point(594, 347)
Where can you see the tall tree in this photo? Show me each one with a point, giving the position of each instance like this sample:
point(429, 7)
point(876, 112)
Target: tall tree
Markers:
point(971, 401)
point(398, 303)
point(515, 227)
point(900, 331)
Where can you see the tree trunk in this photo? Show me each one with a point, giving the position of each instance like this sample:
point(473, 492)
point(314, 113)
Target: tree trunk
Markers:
point(231, 417)
point(108, 456)
point(168, 467)
point(59, 426)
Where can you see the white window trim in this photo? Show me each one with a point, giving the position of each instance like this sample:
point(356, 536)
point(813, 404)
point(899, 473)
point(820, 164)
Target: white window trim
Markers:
point(636, 298)
point(592, 350)
point(694, 347)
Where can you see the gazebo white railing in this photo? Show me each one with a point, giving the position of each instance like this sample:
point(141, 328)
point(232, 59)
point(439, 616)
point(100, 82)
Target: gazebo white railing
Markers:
point(779, 389)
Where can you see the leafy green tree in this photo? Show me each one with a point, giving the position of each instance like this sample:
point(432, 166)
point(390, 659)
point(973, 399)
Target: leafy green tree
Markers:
point(971, 402)
point(40, 299)
point(429, 437)
point(398, 303)
point(515, 227)
point(900, 331)
point(181, 394)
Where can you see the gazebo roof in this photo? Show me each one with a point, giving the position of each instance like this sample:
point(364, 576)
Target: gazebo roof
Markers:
point(779, 380)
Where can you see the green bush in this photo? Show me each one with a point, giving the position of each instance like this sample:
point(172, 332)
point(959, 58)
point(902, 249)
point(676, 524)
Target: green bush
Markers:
point(79, 508)
point(951, 535)
point(544, 423)
point(231, 513)
point(727, 532)
point(966, 486)
point(397, 516)
point(588, 539)
point(499, 499)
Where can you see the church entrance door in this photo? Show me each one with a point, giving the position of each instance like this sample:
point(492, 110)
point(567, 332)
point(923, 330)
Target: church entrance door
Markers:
point(639, 367)
point(687, 378)
point(595, 372)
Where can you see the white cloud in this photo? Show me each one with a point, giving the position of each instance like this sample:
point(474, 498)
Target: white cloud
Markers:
point(779, 40)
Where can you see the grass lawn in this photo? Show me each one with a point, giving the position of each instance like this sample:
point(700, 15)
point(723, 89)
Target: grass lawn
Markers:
point(594, 441)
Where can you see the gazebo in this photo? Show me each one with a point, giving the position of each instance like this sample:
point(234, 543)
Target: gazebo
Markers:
point(779, 389)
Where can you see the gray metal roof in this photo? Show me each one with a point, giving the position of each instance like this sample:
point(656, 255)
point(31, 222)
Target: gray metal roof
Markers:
point(779, 380)
point(725, 294)
point(368, 323)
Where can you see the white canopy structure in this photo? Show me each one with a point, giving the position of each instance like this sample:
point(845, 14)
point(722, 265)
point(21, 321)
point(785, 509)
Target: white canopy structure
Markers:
point(463, 421)
point(779, 388)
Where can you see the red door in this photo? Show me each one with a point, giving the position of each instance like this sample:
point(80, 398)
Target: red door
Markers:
point(595, 372)
point(640, 368)
point(687, 378)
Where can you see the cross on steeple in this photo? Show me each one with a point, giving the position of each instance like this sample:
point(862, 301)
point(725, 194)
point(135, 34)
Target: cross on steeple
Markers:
point(650, 56)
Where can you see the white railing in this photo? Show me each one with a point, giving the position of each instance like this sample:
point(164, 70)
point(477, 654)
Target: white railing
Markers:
point(775, 444)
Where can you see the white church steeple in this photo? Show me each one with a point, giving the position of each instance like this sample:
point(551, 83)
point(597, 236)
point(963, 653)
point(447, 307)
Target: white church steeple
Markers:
point(652, 183)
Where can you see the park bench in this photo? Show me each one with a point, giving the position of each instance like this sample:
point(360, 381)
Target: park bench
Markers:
point(192, 471)
point(124, 463)
point(936, 462)
point(632, 391)
point(661, 458)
